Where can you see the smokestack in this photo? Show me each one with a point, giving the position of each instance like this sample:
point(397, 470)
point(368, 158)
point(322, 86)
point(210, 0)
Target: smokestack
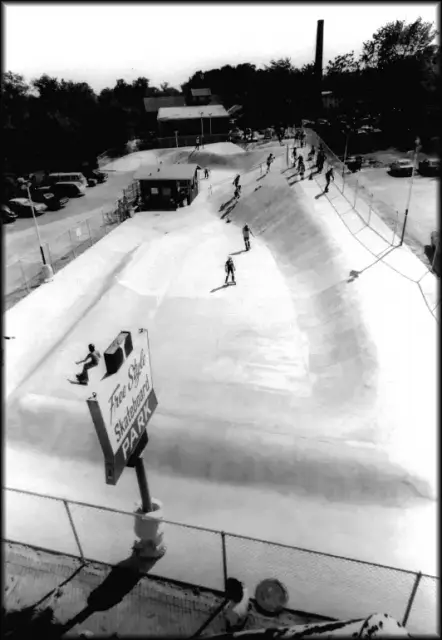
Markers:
point(319, 50)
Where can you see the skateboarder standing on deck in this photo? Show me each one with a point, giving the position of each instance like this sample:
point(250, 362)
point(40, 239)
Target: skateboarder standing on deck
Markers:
point(90, 361)
point(230, 269)
point(329, 176)
point(246, 231)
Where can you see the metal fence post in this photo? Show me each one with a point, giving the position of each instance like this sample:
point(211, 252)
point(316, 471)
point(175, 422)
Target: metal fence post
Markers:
point(74, 531)
point(223, 545)
point(369, 209)
point(356, 193)
point(411, 599)
point(436, 251)
point(72, 244)
point(395, 226)
point(89, 232)
point(24, 275)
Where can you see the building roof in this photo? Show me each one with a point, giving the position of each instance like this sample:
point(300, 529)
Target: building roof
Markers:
point(166, 172)
point(198, 93)
point(189, 113)
point(153, 104)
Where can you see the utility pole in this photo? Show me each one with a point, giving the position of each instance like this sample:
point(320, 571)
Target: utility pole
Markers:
point(202, 129)
point(417, 142)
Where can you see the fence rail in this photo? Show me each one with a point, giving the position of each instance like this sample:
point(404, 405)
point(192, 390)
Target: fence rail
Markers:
point(318, 583)
point(25, 274)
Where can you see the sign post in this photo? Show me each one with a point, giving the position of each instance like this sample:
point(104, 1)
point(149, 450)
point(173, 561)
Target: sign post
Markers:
point(146, 501)
point(121, 410)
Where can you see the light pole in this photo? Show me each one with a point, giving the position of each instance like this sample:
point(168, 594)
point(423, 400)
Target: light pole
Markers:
point(210, 124)
point(417, 142)
point(345, 151)
point(48, 273)
point(36, 225)
point(176, 138)
point(202, 129)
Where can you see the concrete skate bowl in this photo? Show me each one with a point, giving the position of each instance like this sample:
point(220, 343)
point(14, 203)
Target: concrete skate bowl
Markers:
point(241, 161)
point(221, 427)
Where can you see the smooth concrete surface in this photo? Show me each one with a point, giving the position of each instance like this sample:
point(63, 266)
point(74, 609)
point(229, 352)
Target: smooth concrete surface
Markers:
point(298, 406)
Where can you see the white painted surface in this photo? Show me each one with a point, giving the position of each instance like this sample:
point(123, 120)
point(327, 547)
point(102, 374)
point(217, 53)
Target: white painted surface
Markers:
point(297, 406)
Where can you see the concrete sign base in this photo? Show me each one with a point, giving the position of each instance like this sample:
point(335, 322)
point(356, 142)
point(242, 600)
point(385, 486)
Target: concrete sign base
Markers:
point(149, 530)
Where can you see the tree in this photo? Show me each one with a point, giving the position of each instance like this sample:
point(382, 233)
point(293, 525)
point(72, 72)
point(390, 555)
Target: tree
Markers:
point(398, 40)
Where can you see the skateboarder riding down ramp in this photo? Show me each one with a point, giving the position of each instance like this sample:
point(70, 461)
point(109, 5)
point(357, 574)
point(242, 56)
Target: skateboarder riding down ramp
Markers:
point(90, 361)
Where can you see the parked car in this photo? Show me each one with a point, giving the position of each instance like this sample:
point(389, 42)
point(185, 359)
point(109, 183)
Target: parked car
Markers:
point(354, 163)
point(69, 189)
point(67, 177)
point(8, 216)
point(435, 246)
point(100, 176)
point(23, 207)
point(429, 167)
point(401, 168)
point(47, 197)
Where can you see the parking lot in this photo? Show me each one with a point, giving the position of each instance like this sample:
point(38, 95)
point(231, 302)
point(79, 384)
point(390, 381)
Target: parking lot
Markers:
point(394, 192)
point(21, 239)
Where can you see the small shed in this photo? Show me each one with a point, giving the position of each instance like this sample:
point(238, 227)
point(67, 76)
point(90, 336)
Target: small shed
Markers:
point(167, 186)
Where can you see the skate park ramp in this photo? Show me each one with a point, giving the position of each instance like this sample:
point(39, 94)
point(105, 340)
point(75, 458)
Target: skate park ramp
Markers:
point(292, 383)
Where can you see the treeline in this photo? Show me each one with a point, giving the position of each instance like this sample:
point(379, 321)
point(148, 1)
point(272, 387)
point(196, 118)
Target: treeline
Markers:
point(58, 124)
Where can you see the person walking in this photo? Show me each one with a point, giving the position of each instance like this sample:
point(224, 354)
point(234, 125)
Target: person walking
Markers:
point(269, 161)
point(330, 175)
point(230, 269)
point(246, 231)
point(90, 361)
point(320, 160)
point(301, 167)
point(206, 173)
point(303, 137)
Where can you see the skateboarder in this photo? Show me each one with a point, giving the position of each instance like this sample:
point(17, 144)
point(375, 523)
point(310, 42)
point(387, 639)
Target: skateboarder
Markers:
point(295, 156)
point(90, 361)
point(311, 154)
point(320, 160)
point(206, 173)
point(230, 269)
point(269, 161)
point(197, 143)
point(301, 167)
point(329, 176)
point(303, 137)
point(246, 231)
point(237, 193)
point(236, 181)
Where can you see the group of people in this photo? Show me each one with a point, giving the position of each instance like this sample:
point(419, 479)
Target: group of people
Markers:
point(298, 162)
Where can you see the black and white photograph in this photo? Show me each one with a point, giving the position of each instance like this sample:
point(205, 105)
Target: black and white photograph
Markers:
point(221, 263)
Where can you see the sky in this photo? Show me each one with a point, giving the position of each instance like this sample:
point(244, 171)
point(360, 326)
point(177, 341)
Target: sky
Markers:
point(168, 42)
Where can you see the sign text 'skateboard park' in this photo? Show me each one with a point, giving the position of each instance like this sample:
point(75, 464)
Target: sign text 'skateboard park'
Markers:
point(124, 402)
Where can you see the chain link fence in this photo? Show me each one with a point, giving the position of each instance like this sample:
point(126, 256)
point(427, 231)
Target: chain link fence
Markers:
point(25, 274)
point(359, 196)
point(318, 583)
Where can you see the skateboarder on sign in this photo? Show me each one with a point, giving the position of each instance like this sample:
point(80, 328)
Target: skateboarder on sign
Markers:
point(90, 361)
point(246, 231)
point(230, 269)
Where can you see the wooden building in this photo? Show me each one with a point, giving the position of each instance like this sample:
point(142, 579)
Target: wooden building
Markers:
point(167, 186)
point(195, 121)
